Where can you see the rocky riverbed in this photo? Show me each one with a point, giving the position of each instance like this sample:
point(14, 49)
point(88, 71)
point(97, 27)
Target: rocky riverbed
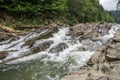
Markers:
point(79, 32)
point(103, 65)
point(64, 48)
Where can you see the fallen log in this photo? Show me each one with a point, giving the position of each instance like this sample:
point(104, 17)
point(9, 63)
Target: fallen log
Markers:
point(10, 30)
point(7, 29)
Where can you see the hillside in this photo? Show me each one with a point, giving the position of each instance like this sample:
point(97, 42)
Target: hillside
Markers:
point(17, 13)
point(116, 15)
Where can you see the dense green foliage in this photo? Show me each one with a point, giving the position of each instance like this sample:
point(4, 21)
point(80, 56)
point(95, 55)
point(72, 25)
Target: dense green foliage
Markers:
point(116, 15)
point(34, 6)
point(71, 10)
point(88, 11)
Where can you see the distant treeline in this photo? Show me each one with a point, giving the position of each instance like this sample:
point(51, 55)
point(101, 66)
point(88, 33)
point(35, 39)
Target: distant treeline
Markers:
point(72, 10)
point(116, 15)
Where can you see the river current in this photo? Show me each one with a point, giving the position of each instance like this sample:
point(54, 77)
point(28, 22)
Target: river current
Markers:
point(55, 57)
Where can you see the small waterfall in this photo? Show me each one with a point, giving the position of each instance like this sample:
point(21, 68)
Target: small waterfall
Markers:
point(38, 56)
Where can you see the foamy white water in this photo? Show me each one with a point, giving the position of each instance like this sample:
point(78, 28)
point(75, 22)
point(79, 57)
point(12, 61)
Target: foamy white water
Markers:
point(74, 56)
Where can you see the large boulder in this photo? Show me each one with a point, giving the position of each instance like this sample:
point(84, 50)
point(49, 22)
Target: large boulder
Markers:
point(113, 49)
point(98, 57)
point(91, 31)
point(79, 29)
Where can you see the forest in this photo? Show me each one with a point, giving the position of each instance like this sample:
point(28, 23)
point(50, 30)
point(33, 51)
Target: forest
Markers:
point(65, 11)
point(116, 15)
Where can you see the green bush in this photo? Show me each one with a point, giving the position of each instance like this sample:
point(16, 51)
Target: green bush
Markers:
point(73, 10)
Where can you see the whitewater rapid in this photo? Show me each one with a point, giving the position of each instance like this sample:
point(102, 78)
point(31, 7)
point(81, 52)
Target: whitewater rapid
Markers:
point(47, 64)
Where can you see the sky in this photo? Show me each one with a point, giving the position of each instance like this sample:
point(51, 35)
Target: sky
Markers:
point(109, 4)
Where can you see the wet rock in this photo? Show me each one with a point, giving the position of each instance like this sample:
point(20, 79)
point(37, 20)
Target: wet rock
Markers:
point(116, 39)
point(90, 34)
point(91, 31)
point(104, 64)
point(41, 47)
point(58, 48)
point(85, 73)
point(103, 78)
point(113, 49)
point(78, 30)
point(3, 54)
point(117, 35)
point(97, 57)
point(45, 35)
point(81, 48)
point(105, 68)
point(3, 36)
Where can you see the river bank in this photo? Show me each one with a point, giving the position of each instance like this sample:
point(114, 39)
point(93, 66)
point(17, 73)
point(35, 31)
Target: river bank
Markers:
point(103, 65)
point(62, 47)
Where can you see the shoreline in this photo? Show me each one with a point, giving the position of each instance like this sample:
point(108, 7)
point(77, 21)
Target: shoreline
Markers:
point(103, 65)
point(99, 62)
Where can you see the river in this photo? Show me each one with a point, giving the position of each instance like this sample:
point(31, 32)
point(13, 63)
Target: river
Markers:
point(48, 58)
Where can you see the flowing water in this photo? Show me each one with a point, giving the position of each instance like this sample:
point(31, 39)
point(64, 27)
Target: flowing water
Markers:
point(54, 57)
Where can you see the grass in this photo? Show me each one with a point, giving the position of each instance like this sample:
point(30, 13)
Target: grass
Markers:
point(18, 22)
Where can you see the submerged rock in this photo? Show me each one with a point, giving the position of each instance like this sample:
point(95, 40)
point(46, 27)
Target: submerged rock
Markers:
point(41, 47)
point(58, 48)
point(45, 35)
point(3, 54)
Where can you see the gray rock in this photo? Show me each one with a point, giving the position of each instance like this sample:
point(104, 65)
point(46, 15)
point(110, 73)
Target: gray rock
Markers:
point(103, 78)
point(103, 65)
point(45, 35)
point(58, 48)
point(113, 49)
point(41, 47)
point(3, 36)
point(3, 54)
